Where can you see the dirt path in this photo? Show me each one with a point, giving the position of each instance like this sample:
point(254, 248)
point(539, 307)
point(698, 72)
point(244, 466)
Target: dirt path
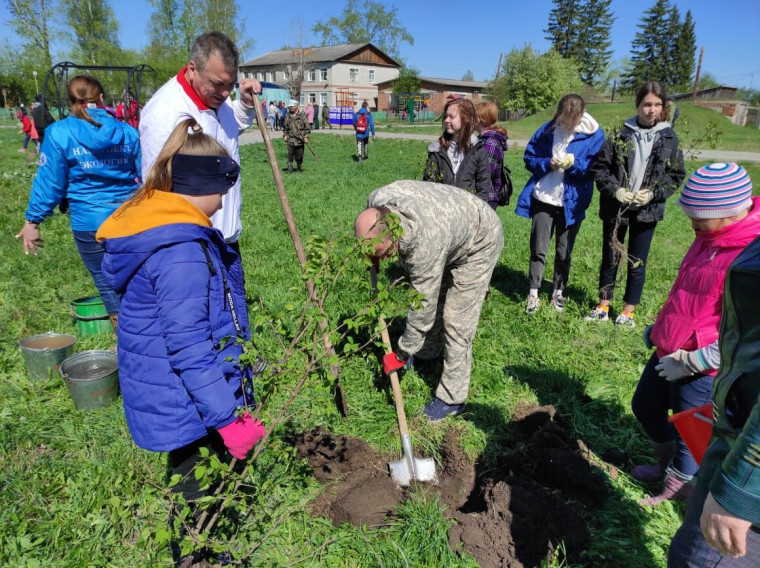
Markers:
point(254, 137)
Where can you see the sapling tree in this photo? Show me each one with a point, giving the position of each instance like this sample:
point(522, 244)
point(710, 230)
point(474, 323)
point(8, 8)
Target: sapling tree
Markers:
point(293, 343)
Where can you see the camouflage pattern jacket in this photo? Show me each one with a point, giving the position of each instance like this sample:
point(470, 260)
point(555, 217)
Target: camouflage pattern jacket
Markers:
point(296, 128)
point(444, 226)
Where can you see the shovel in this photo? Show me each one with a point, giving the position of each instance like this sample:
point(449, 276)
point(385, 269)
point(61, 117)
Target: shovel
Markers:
point(409, 468)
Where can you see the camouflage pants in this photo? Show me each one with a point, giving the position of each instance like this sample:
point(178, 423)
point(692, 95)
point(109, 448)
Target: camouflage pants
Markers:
point(463, 291)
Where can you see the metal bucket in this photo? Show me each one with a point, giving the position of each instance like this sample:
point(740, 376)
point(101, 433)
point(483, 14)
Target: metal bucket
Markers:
point(92, 378)
point(91, 316)
point(44, 353)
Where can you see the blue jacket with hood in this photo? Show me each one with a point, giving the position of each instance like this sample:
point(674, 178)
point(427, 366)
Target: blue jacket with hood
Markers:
point(171, 265)
point(95, 169)
point(578, 180)
point(370, 124)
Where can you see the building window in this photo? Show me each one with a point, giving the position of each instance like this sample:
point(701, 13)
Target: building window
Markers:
point(356, 98)
point(323, 74)
point(312, 98)
point(353, 72)
point(312, 75)
point(371, 75)
point(286, 74)
point(323, 99)
point(269, 76)
point(301, 100)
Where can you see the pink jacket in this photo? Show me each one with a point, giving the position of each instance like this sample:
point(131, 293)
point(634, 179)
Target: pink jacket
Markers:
point(690, 318)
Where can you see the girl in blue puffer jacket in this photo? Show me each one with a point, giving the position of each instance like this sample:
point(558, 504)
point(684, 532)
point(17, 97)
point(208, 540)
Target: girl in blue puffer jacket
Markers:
point(90, 161)
point(182, 285)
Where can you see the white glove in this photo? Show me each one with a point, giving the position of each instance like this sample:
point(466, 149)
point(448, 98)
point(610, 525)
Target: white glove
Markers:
point(642, 197)
point(567, 161)
point(680, 364)
point(624, 196)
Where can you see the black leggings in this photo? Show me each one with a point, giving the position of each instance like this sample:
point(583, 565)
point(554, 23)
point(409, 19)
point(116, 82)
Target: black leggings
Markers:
point(640, 239)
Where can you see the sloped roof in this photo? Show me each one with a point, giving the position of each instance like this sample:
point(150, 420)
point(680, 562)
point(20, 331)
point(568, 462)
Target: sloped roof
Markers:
point(314, 55)
point(455, 82)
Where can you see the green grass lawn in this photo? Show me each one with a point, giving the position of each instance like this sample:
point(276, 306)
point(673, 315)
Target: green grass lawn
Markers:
point(75, 491)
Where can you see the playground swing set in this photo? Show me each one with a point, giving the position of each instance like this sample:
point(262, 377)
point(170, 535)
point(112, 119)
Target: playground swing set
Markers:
point(55, 89)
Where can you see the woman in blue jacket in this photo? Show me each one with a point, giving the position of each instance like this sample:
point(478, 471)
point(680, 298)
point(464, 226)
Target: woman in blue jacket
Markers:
point(559, 155)
point(90, 161)
point(183, 298)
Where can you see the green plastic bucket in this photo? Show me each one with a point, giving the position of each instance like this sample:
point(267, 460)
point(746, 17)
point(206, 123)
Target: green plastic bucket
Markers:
point(91, 316)
point(44, 353)
point(92, 378)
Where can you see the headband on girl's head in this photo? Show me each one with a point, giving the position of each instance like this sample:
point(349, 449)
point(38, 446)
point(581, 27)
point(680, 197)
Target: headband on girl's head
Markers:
point(203, 175)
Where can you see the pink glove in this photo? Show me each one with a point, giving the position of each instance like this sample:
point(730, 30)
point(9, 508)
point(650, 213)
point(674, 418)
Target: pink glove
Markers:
point(241, 435)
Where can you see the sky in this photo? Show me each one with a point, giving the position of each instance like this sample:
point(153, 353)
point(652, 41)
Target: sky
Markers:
point(450, 39)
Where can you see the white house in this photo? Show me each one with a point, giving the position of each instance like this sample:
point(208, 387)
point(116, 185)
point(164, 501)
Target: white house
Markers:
point(338, 75)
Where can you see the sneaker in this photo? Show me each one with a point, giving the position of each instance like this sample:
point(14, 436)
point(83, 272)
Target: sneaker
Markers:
point(531, 307)
point(626, 320)
point(558, 302)
point(437, 410)
point(598, 314)
point(22, 150)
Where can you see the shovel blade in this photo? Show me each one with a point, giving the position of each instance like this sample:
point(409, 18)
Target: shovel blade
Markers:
point(409, 469)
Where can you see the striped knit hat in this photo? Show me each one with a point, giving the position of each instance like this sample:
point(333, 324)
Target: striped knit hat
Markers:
point(716, 191)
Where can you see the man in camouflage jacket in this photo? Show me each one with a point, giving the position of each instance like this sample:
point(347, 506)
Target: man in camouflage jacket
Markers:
point(450, 245)
point(295, 133)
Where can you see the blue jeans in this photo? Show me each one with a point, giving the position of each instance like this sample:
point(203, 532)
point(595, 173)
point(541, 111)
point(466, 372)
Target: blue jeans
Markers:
point(92, 253)
point(689, 549)
point(639, 240)
point(653, 398)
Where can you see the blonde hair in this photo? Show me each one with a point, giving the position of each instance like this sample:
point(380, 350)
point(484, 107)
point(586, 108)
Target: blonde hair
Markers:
point(84, 90)
point(186, 138)
point(488, 115)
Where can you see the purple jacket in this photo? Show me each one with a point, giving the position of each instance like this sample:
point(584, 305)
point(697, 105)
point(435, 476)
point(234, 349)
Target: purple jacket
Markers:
point(690, 318)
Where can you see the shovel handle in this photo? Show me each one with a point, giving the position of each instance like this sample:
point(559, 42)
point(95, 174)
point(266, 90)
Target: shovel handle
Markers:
point(398, 399)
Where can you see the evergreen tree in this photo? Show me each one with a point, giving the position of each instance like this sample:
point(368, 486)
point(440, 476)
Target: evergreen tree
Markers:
point(563, 29)
point(596, 46)
point(686, 48)
point(580, 30)
point(651, 47)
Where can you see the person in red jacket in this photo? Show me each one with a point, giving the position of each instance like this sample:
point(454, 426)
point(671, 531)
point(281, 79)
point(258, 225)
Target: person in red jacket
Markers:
point(28, 130)
point(679, 375)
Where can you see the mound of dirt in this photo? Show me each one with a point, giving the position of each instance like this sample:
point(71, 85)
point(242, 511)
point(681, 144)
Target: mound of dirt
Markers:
point(512, 514)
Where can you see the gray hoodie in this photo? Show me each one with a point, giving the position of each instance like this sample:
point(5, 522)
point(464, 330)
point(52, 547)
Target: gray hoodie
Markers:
point(644, 139)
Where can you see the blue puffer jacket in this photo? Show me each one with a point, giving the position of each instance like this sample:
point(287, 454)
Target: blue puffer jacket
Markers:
point(95, 169)
point(578, 181)
point(173, 370)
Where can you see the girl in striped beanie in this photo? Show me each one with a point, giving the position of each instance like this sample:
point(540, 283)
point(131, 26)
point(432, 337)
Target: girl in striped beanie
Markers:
point(679, 375)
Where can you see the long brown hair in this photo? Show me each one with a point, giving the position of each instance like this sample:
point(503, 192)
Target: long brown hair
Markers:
point(572, 106)
point(84, 90)
point(656, 89)
point(468, 118)
point(186, 138)
point(488, 115)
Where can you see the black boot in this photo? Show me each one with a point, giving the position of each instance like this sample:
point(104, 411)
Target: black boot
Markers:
point(290, 167)
point(298, 169)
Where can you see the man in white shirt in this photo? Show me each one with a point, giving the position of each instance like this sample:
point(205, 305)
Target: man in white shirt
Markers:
point(202, 90)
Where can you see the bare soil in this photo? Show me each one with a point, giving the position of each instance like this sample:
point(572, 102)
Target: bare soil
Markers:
point(512, 513)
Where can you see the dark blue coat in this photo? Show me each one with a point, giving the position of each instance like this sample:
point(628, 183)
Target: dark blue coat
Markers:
point(173, 372)
point(578, 180)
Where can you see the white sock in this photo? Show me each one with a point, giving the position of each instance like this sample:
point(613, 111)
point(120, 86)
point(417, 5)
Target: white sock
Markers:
point(533, 292)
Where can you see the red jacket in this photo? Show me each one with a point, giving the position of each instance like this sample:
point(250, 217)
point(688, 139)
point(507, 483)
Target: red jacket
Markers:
point(690, 318)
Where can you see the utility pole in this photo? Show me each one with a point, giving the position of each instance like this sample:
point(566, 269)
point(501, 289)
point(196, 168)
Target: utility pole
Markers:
point(696, 79)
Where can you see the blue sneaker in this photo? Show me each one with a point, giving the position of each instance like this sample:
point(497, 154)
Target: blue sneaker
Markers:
point(437, 410)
